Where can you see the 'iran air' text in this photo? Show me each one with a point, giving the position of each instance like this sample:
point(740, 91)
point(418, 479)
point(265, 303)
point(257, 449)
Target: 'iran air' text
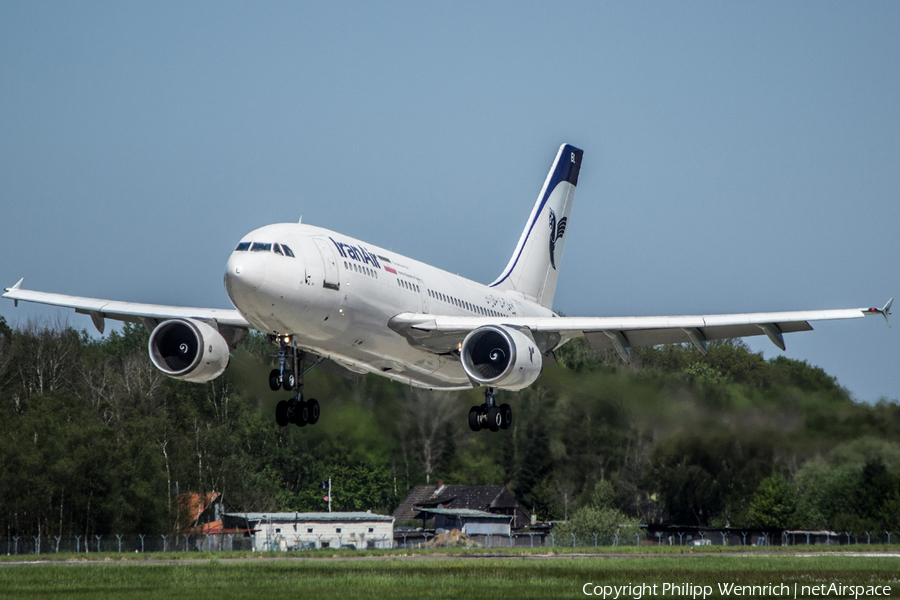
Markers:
point(356, 253)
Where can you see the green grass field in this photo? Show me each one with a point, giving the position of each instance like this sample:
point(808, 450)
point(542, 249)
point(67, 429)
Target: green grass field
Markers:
point(431, 575)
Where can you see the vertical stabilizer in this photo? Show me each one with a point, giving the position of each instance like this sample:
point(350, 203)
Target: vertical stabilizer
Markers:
point(533, 268)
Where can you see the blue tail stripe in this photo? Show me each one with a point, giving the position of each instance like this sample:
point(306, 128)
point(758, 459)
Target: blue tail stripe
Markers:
point(567, 168)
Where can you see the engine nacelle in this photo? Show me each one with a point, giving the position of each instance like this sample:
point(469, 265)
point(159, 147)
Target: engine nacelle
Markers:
point(501, 357)
point(189, 350)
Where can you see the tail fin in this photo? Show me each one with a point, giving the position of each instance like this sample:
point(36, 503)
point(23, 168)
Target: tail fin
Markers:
point(532, 270)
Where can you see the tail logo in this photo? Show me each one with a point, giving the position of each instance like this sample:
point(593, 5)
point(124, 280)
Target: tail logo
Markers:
point(556, 232)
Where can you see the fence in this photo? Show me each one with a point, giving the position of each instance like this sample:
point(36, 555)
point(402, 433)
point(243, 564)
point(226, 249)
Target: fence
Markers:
point(24, 545)
point(108, 544)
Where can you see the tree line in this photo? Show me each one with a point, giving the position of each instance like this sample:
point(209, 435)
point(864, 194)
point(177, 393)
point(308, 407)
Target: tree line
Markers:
point(95, 440)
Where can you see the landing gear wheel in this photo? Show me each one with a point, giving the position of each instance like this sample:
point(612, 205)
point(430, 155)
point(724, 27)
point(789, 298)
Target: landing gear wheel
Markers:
point(313, 411)
point(274, 380)
point(475, 419)
point(281, 413)
point(494, 419)
point(287, 381)
point(301, 414)
point(506, 416)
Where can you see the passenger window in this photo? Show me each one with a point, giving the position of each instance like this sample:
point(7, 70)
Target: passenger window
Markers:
point(242, 247)
point(258, 247)
point(277, 249)
point(287, 251)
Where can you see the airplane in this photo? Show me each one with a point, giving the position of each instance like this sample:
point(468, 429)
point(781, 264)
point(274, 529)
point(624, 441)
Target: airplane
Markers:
point(327, 300)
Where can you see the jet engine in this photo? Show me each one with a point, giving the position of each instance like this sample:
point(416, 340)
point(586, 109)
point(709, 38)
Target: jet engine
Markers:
point(501, 357)
point(188, 349)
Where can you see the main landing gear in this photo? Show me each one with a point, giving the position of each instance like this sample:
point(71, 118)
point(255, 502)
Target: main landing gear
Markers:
point(488, 415)
point(289, 377)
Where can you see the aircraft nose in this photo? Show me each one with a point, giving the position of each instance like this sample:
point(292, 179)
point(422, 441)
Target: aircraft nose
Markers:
point(243, 274)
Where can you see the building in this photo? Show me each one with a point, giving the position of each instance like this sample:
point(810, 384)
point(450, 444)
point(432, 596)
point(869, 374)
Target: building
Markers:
point(492, 499)
point(471, 522)
point(282, 531)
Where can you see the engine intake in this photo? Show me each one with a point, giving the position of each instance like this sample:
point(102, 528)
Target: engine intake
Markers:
point(188, 349)
point(501, 357)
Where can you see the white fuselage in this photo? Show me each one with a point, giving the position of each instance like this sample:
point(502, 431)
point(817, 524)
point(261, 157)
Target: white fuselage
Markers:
point(337, 295)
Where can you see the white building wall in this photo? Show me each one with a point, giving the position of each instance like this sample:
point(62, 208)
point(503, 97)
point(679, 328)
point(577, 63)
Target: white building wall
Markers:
point(280, 536)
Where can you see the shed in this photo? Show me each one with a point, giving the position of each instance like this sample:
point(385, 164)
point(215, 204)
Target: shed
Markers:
point(471, 522)
point(283, 531)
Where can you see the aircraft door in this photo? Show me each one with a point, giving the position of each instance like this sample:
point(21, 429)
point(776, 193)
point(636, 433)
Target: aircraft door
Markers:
point(423, 292)
point(332, 277)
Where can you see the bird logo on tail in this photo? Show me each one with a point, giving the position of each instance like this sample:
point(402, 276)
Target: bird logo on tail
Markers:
point(556, 232)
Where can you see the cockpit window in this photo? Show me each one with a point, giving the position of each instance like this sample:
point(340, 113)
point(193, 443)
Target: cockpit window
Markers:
point(287, 250)
point(259, 247)
point(277, 249)
point(242, 247)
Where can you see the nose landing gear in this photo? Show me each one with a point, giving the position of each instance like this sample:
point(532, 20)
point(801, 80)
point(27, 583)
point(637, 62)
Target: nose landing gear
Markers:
point(288, 375)
point(488, 415)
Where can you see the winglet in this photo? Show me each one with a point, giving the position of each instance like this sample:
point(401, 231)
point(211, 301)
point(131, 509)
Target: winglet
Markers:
point(15, 287)
point(884, 311)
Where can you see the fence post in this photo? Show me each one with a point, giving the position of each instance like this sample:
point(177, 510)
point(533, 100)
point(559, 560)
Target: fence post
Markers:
point(16, 546)
point(724, 538)
point(616, 543)
point(889, 537)
point(404, 535)
point(164, 541)
point(595, 539)
point(186, 538)
point(98, 541)
point(37, 544)
point(744, 537)
point(553, 540)
point(868, 538)
point(848, 537)
point(807, 538)
point(531, 535)
point(77, 544)
point(142, 542)
point(57, 538)
point(637, 539)
point(231, 542)
point(119, 537)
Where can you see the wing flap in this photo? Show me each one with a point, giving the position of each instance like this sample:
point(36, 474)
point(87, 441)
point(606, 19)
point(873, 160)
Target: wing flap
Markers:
point(598, 340)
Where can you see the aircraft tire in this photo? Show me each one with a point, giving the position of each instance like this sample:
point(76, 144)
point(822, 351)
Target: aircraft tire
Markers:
point(301, 414)
point(274, 380)
point(494, 418)
point(281, 416)
point(313, 411)
point(474, 414)
point(506, 416)
point(287, 381)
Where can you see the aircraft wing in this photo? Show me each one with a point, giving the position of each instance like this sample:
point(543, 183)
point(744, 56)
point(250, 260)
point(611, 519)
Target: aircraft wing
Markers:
point(444, 333)
point(149, 315)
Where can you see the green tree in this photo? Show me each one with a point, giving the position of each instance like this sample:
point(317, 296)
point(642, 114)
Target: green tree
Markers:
point(774, 504)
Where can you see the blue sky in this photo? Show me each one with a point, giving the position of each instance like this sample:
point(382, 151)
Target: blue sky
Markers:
point(738, 156)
